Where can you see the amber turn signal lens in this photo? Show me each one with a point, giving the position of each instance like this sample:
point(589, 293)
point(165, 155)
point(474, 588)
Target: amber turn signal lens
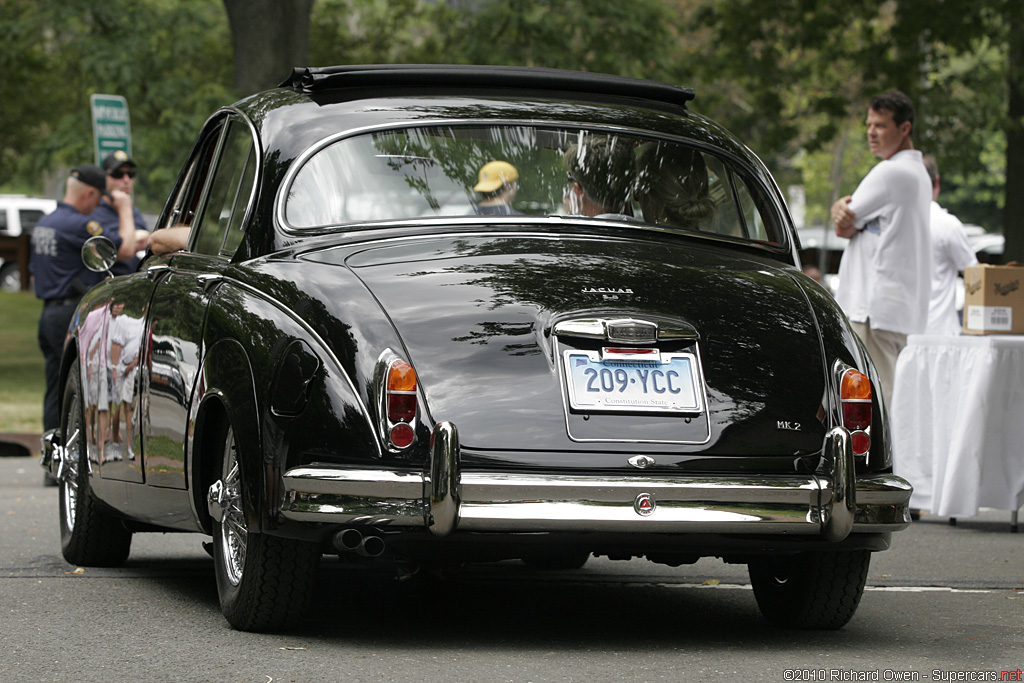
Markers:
point(855, 385)
point(401, 377)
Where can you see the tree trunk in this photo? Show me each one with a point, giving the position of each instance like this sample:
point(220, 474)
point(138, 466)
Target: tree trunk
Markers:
point(1013, 216)
point(269, 38)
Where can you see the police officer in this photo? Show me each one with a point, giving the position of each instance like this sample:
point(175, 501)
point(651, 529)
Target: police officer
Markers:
point(121, 171)
point(60, 277)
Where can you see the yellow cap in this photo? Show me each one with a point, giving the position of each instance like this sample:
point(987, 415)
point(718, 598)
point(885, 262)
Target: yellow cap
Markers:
point(495, 174)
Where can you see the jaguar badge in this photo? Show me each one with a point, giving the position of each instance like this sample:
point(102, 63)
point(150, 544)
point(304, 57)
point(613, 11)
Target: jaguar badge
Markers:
point(631, 331)
point(645, 505)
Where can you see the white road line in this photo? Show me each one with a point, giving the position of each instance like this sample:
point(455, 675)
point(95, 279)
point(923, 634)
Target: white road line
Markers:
point(887, 589)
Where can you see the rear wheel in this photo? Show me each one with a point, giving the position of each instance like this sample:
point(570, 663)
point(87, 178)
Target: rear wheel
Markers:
point(813, 590)
point(264, 581)
point(90, 536)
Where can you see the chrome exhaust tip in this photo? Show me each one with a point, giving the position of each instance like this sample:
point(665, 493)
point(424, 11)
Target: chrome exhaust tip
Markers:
point(347, 540)
point(372, 546)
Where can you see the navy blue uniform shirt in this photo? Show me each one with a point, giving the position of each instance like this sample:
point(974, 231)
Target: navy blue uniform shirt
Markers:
point(56, 258)
point(107, 216)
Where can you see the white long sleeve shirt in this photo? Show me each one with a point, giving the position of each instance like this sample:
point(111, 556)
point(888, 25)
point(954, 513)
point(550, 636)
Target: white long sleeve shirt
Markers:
point(951, 253)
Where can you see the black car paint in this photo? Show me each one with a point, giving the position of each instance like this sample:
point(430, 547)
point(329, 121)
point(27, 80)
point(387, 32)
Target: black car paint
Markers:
point(332, 293)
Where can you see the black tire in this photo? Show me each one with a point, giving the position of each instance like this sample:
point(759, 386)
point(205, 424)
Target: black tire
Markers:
point(554, 561)
point(90, 535)
point(264, 582)
point(814, 590)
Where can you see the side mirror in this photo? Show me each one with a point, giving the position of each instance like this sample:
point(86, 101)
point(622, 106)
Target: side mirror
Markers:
point(99, 254)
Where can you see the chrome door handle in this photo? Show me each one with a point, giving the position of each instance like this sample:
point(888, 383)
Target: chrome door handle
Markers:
point(153, 272)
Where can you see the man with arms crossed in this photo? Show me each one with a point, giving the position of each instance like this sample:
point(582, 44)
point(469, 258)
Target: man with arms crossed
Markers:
point(885, 274)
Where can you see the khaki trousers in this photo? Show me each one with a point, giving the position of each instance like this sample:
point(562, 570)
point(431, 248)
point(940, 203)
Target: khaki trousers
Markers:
point(883, 347)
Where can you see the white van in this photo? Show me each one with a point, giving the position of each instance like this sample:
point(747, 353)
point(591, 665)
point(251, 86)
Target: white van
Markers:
point(18, 214)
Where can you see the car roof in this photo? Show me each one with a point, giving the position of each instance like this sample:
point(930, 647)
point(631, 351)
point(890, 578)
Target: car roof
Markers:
point(314, 103)
point(313, 79)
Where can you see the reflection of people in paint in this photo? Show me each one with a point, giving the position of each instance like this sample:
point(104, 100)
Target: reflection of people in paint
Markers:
point(93, 337)
point(126, 334)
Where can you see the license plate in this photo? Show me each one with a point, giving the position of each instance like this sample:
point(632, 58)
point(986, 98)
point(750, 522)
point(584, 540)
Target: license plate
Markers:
point(651, 382)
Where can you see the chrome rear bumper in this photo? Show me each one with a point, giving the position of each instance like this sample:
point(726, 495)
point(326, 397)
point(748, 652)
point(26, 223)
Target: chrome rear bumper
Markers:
point(445, 499)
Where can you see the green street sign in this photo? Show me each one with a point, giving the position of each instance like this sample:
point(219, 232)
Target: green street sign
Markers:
point(111, 128)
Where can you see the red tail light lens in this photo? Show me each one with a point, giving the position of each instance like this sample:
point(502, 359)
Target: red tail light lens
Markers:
point(401, 388)
point(402, 435)
point(855, 395)
point(401, 408)
point(861, 442)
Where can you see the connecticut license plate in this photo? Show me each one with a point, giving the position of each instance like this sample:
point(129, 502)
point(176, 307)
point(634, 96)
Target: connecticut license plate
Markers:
point(643, 380)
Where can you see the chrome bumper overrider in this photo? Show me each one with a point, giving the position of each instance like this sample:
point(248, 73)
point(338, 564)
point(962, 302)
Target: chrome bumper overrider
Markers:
point(444, 498)
point(52, 452)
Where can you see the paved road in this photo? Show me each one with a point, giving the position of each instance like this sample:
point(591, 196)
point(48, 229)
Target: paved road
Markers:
point(944, 603)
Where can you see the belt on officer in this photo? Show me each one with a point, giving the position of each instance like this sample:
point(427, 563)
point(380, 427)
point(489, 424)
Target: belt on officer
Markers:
point(65, 301)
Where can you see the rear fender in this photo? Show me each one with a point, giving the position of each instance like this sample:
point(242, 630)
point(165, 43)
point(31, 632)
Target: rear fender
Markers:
point(225, 394)
point(285, 390)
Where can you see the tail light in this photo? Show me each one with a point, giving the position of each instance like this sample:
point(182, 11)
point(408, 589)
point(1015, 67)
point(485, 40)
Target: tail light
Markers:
point(855, 399)
point(400, 404)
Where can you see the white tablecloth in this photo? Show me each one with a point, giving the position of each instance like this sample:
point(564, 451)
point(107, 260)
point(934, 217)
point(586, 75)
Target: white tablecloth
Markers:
point(957, 415)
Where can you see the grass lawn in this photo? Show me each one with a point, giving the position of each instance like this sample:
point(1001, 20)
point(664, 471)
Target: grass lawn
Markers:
point(22, 380)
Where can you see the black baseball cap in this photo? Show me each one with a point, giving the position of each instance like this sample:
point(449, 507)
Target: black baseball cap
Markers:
point(117, 160)
point(91, 175)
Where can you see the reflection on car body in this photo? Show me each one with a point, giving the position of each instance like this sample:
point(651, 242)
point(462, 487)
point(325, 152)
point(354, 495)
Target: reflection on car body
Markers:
point(348, 359)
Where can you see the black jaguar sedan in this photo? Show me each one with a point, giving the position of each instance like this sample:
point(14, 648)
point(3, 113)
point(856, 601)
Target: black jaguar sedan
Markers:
point(432, 315)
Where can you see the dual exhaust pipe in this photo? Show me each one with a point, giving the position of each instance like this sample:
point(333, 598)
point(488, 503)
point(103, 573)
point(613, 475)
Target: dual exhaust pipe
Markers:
point(353, 541)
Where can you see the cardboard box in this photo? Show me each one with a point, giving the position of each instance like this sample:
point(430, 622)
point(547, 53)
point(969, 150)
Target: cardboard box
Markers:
point(994, 299)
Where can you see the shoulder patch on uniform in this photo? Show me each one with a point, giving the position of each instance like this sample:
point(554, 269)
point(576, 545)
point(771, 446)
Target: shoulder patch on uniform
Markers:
point(94, 228)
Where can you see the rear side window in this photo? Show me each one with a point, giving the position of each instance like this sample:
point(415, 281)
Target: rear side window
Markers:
point(229, 193)
point(216, 189)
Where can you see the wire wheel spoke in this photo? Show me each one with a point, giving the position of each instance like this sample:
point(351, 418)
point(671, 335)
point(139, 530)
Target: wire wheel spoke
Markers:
point(234, 534)
point(69, 480)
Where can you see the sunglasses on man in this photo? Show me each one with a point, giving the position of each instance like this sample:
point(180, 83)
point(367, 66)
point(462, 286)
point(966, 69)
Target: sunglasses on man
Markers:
point(118, 174)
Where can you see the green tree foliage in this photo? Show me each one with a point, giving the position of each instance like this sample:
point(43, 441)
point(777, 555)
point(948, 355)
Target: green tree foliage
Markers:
point(608, 36)
point(625, 38)
point(792, 78)
point(380, 32)
point(169, 58)
point(800, 70)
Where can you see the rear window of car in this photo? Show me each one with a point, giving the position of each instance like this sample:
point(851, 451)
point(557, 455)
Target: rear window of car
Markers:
point(523, 171)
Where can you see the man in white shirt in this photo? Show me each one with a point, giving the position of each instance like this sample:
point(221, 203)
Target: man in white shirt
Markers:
point(951, 253)
point(885, 273)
